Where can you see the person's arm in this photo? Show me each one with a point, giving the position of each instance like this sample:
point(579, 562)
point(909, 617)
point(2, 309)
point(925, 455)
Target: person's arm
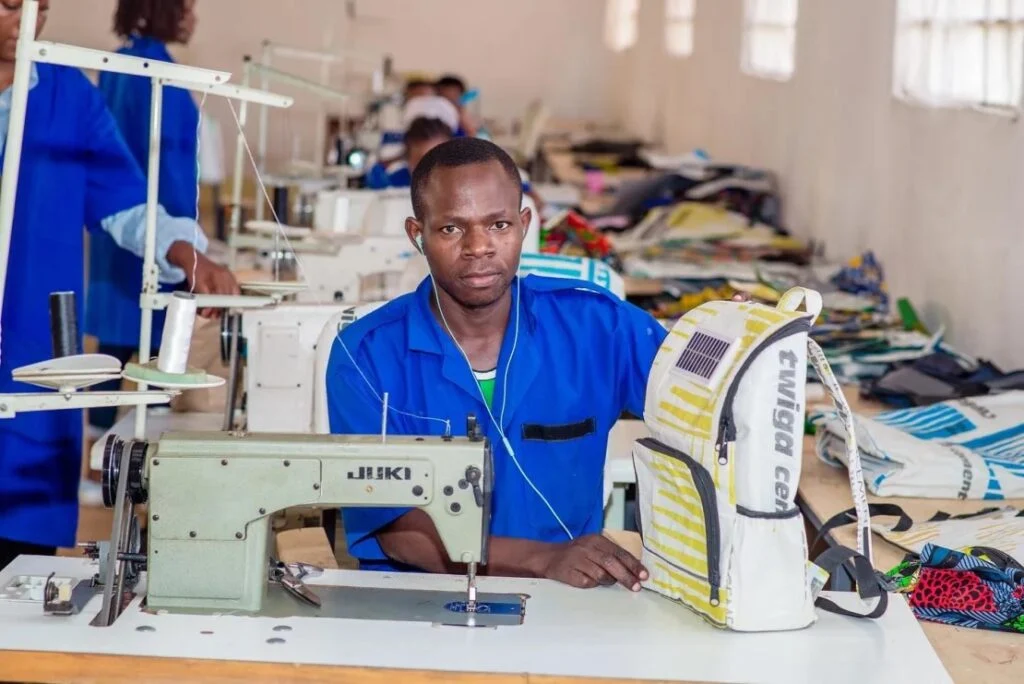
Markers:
point(116, 201)
point(638, 336)
point(585, 562)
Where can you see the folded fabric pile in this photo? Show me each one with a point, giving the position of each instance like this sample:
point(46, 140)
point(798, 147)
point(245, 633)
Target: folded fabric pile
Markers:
point(570, 234)
point(959, 449)
point(939, 376)
point(976, 587)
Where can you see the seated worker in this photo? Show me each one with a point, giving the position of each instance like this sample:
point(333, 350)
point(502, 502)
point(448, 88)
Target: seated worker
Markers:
point(547, 365)
point(422, 136)
point(453, 89)
point(418, 87)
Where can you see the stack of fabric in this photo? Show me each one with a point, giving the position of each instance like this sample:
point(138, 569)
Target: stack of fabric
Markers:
point(964, 448)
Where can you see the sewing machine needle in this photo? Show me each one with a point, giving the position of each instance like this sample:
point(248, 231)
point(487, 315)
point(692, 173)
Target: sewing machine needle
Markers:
point(471, 589)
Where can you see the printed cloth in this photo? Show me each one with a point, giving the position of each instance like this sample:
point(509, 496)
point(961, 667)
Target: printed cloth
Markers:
point(974, 587)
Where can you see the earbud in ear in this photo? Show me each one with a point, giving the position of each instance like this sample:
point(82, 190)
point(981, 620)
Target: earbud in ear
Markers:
point(419, 242)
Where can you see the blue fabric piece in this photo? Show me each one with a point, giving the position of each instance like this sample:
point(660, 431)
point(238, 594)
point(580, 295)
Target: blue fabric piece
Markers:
point(581, 354)
point(115, 275)
point(75, 171)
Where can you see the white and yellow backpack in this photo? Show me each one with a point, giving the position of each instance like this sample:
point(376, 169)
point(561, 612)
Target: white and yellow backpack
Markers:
point(717, 480)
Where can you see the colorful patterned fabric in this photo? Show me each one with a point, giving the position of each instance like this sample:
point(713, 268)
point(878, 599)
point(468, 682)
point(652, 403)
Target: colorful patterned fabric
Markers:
point(974, 587)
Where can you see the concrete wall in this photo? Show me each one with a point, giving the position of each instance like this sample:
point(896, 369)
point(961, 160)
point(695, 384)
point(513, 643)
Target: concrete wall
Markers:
point(514, 51)
point(935, 192)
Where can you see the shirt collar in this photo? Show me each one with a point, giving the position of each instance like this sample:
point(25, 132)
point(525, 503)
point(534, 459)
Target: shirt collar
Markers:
point(425, 333)
point(5, 97)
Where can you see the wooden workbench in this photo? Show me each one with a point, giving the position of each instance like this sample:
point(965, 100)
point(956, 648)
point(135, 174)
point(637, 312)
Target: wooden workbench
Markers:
point(91, 669)
point(969, 655)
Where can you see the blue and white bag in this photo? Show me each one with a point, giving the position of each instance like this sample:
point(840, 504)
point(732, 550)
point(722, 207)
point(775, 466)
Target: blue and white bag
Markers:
point(970, 448)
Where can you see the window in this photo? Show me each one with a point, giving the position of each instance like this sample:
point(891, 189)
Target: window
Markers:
point(679, 27)
point(960, 52)
point(769, 38)
point(620, 28)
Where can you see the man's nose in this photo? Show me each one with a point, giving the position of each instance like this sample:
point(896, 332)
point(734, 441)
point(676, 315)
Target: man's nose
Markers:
point(478, 242)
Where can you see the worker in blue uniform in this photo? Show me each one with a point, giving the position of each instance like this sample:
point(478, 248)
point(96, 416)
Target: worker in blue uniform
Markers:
point(423, 135)
point(453, 89)
point(112, 313)
point(547, 365)
point(75, 171)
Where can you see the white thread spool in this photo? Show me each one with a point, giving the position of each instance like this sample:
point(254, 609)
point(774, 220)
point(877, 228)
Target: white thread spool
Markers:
point(177, 338)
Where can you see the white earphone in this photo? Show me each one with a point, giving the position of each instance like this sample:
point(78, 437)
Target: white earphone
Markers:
point(495, 421)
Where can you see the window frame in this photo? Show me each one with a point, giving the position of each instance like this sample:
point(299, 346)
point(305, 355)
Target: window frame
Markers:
point(902, 89)
point(621, 24)
point(751, 26)
point(676, 20)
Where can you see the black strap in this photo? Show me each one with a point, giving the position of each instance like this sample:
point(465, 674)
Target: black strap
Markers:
point(849, 516)
point(941, 516)
point(869, 584)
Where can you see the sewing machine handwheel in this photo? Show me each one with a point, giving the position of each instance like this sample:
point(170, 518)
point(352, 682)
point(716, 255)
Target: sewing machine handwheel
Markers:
point(113, 450)
point(227, 322)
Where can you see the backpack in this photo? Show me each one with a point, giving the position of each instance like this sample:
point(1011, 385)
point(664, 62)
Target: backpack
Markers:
point(717, 479)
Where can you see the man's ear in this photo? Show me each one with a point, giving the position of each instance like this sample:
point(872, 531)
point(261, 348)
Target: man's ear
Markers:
point(414, 229)
point(526, 215)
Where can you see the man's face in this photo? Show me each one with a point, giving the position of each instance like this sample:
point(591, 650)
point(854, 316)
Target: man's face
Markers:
point(418, 90)
point(10, 24)
point(451, 93)
point(416, 151)
point(473, 231)
point(188, 22)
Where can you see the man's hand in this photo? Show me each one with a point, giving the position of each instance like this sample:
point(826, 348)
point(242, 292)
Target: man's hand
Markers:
point(591, 561)
point(202, 275)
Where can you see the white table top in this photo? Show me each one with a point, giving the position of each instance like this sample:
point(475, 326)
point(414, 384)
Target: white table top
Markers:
point(606, 632)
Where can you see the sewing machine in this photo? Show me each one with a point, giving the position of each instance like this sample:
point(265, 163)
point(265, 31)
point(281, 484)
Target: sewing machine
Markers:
point(210, 497)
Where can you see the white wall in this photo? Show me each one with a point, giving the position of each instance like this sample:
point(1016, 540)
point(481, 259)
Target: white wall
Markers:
point(936, 193)
point(514, 51)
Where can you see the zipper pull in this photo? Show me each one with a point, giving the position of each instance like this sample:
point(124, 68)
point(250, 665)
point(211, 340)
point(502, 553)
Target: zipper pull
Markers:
point(722, 444)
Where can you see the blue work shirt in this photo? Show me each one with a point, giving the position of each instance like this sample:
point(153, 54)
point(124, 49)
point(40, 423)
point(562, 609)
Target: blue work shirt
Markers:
point(75, 171)
point(393, 175)
point(115, 275)
point(582, 358)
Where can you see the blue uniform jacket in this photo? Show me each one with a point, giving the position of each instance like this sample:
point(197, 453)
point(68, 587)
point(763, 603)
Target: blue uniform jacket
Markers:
point(581, 359)
point(393, 175)
point(115, 275)
point(75, 171)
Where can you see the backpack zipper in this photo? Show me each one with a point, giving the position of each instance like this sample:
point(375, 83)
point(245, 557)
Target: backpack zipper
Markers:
point(708, 502)
point(726, 426)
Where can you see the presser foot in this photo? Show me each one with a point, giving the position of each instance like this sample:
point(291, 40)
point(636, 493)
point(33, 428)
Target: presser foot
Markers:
point(289, 576)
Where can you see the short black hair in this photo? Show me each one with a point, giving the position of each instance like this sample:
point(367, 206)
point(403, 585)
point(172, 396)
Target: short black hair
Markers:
point(425, 128)
point(451, 80)
point(157, 19)
point(460, 152)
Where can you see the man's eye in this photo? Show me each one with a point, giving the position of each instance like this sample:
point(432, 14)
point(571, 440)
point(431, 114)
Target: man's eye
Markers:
point(502, 225)
point(448, 230)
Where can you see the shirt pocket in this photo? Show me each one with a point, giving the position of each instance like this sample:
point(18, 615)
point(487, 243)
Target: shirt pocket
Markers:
point(564, 458)
point(559, 432)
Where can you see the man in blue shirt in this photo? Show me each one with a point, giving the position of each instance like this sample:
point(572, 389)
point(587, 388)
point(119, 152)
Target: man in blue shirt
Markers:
point(75, 171)
point(423, 135)
point(547, 365)
point(112, 313)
